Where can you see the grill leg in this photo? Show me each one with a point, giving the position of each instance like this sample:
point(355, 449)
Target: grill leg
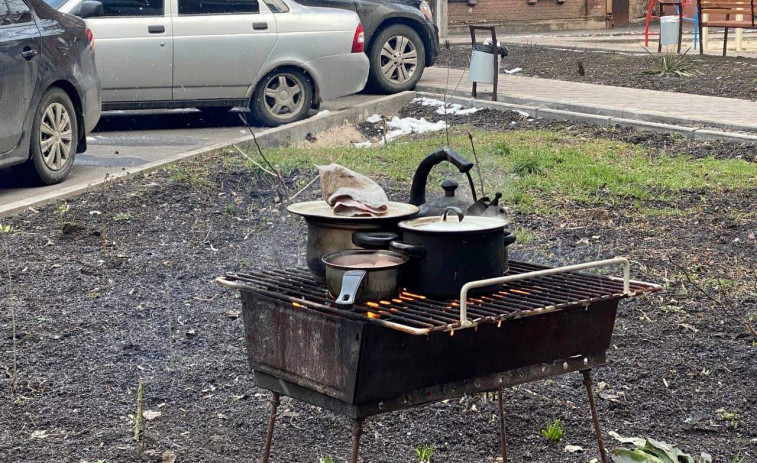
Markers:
point(271, 423)
point(502, 428)
point(594, 415)
point(357, 431)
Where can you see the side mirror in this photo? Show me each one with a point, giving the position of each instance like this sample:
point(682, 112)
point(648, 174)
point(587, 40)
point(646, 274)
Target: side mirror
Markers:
point(90, 8)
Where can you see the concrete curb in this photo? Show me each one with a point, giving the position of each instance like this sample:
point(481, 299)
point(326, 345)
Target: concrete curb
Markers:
point(597, 110)
point(267, 138)
point(603, 120)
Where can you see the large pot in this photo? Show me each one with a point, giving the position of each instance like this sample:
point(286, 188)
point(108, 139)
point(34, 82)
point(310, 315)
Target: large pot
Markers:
point(450, 250)
point(329, 233)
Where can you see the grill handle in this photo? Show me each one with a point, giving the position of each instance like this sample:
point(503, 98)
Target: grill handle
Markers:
point(464, 322)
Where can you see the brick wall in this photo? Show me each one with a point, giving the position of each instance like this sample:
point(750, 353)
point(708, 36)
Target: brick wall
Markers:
point(507, 11)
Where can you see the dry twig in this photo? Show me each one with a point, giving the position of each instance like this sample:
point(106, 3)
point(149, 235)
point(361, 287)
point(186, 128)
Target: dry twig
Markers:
point(723, 300)
point(284, 194)
point(478, 164)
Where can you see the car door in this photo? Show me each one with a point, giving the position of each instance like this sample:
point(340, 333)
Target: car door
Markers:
point(19, 58)
point(219, 47)
point(134, 50)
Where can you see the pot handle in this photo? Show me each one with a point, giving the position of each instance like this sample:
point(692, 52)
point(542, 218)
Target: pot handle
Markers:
point(460, 215)
point(509, 239)
point(373, 240)
point(351, 282)
point(412, 250)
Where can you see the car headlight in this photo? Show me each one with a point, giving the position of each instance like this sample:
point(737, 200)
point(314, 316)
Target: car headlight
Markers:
point(426, 10)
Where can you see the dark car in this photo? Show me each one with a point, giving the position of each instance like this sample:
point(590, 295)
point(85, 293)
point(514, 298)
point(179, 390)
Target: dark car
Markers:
point(400, 37)
point(49, 89)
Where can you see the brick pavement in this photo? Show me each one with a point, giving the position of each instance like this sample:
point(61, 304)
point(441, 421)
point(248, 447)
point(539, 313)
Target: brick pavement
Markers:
point(650, 105)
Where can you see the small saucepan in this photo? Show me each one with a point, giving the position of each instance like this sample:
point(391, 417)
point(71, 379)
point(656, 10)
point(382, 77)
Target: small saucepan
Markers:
point(363, 275)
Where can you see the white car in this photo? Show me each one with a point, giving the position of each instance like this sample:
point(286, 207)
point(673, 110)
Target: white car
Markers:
point(275, 56)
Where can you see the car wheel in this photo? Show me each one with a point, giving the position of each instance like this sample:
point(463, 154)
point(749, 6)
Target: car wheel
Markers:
point(282, 96)
point(54, 138)
point(397, 58)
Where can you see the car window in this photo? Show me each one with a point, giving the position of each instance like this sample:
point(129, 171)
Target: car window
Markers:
point(277, 6)
point(55, 3)
point(194, 7)
point(132, 7)
point(5, 17)
point(19, 11)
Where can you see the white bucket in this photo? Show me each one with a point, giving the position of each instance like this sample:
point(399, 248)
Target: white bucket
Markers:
point(482, 67)
point(669, 26)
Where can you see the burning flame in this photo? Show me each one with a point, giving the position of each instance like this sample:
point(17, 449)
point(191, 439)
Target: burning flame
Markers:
point(373, 315)
point(297, 305)
point(371, 304)
point(416, 296)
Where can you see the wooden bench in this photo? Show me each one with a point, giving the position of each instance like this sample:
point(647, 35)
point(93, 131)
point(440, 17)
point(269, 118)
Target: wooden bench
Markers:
point(729, 9)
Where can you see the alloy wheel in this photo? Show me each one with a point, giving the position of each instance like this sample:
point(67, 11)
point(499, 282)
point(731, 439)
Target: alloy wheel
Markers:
point(55, 136)
point(399, 59)
point(283, 95)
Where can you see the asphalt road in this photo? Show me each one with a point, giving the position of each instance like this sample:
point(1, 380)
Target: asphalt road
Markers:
point(125, 140)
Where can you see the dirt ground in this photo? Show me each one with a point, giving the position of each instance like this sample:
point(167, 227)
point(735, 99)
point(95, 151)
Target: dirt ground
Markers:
point(101, 307)
point(729, 77)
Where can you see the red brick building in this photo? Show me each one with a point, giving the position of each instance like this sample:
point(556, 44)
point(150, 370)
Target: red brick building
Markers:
point(534, 15)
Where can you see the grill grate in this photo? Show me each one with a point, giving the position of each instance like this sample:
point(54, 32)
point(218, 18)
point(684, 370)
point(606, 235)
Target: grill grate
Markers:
point(417, 314)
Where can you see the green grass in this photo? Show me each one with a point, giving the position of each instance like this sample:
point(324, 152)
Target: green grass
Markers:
point(424, 452)
point(122, 217)
point(538, 170)
point(554, 432)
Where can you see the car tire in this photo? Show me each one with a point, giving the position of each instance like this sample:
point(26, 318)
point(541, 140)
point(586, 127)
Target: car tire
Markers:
point(55, 138)
point(282, 96)
point(398, 58)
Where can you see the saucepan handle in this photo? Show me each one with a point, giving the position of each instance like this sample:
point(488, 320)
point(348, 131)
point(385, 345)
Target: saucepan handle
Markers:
point(373, 240)
point(351, 282)
point(509, 239)
point(412, 250)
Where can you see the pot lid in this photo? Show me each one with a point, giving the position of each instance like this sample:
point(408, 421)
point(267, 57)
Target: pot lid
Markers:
point(453, 223)
point(321, 210)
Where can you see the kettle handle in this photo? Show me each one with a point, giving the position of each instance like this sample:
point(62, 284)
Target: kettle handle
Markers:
point(418, 188)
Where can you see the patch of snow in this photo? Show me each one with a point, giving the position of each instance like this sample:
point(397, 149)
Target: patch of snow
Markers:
point(450, 108)
point(513, 71)
point(363, 144)
point(325, 112)
point(373, 119)
point(408, 125)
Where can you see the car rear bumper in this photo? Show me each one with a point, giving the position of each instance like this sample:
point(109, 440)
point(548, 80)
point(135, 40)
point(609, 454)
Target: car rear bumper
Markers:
point(89, 89)
point(433, 51)
point(340, 75)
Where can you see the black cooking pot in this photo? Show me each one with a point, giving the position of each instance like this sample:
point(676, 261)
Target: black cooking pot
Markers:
point(448, 252)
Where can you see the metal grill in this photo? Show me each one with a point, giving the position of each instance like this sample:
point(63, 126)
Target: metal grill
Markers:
point(420, 315)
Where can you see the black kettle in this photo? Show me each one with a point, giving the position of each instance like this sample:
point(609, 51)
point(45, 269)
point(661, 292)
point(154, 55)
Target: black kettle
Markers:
point(481, 207)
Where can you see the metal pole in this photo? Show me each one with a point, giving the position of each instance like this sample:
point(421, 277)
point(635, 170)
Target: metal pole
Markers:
point(594, 415)
point(271, 422)
point(502, 429)
point(357, 431)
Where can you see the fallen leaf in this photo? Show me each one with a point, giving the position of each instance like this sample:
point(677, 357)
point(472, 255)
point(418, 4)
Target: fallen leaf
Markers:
point(168, 457)
point(691, 328)
point(573, 448)
point(151, 414)
point(233, 314)
point(41, 434)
